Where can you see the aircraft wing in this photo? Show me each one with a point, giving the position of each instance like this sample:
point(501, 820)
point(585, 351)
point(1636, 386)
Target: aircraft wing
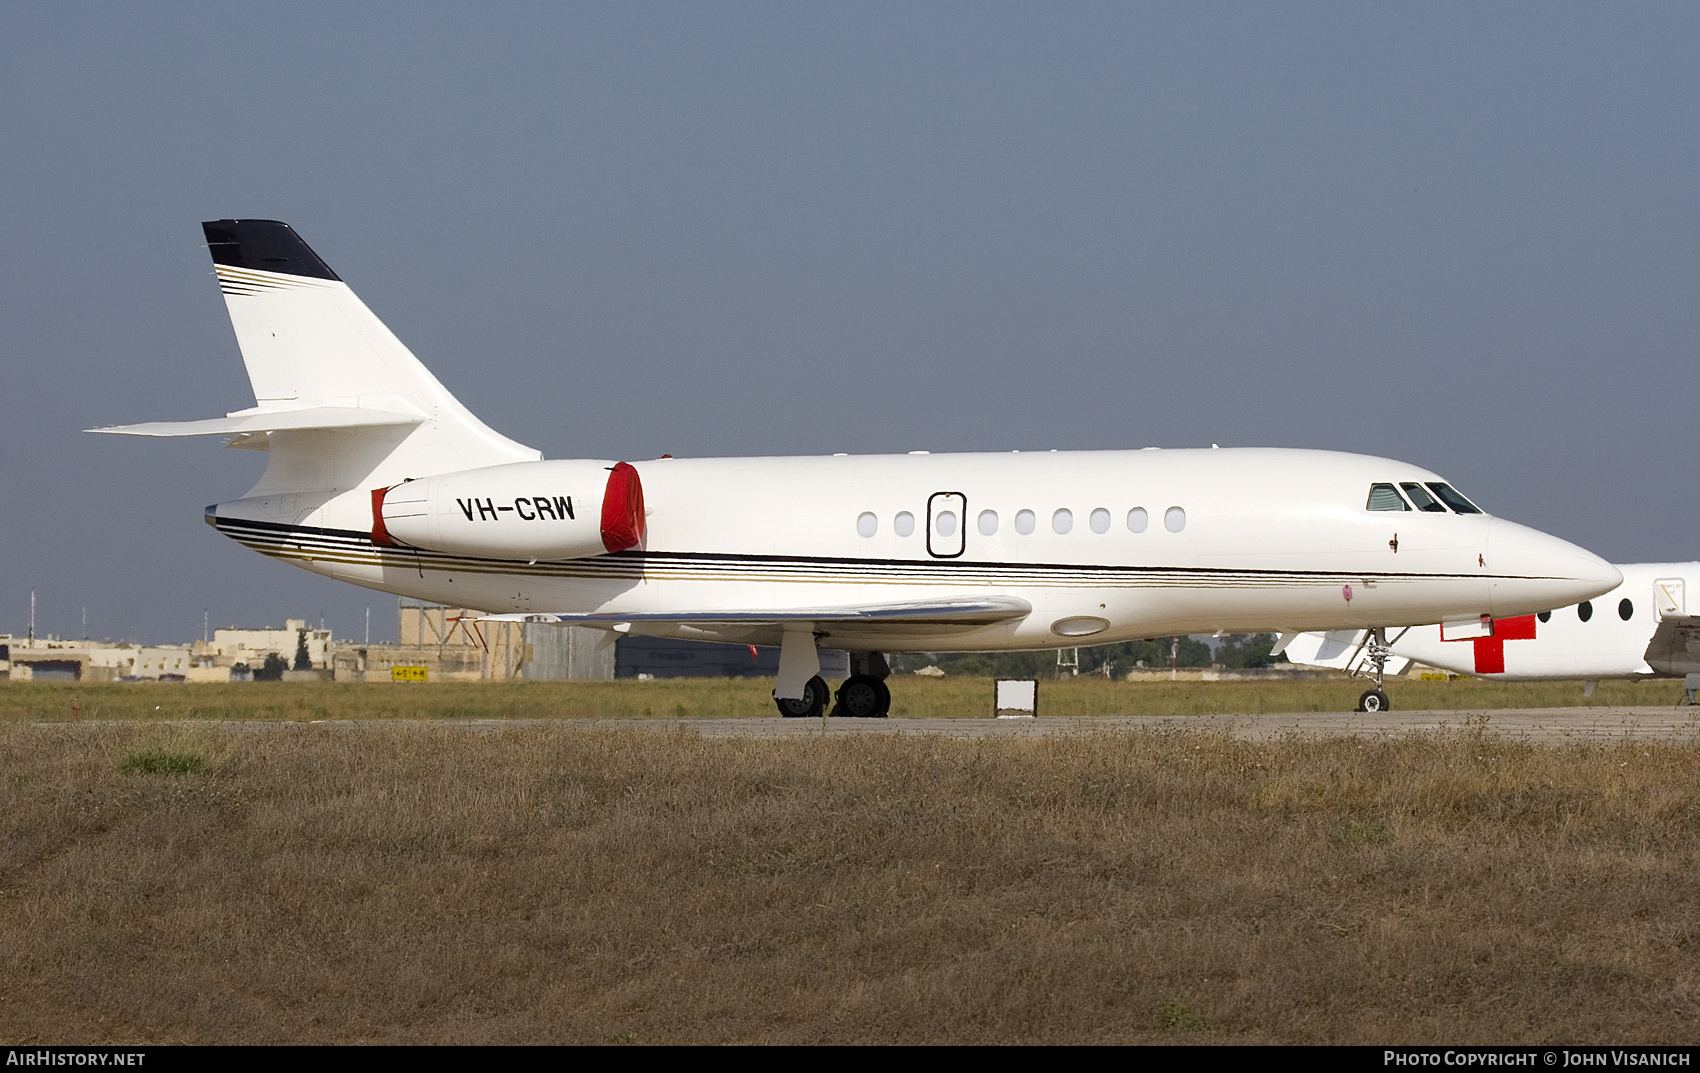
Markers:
point(1675, 647)
point(953, 611)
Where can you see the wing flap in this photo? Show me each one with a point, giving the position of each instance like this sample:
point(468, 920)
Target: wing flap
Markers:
point(966, 611)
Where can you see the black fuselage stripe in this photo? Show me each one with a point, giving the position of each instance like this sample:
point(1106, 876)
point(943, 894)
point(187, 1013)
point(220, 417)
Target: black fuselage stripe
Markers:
point(273, 538)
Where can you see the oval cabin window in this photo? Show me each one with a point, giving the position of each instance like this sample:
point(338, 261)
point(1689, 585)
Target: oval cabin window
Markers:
point(1625, 610)
point(866, 524)
point(945, 523)
point(1585, 610)
point(1025, 522)
point(904, 524)
point(1062, 521)
point(988, 522)
point(1174, 519)
point(1100, 520)
point(1137, 520)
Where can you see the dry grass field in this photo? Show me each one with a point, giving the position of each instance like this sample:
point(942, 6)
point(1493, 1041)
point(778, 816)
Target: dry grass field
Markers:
point(739, 697)
point(565, 882)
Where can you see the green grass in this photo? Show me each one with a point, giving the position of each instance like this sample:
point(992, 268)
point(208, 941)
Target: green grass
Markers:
point(1180, 1016)
point(723, 698)
point(157, 763)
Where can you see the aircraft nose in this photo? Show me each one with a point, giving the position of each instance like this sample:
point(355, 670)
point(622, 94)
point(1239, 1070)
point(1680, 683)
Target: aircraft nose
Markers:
point(1534, 571)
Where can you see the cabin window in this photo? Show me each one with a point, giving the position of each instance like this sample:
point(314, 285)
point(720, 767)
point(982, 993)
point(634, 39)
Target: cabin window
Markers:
point(1385, 497)
point(904, 524)
point(1545, 616)
point(1100, 520)
point(945, 523)
point(988, 522)
point(1063, 520)
point(1137, 520)
point(866, 524)
point(1585, 610)
point(1174, 519)
point(1625, 610)
point(1449, 495)
point(1422, 499)
point(1025, 522)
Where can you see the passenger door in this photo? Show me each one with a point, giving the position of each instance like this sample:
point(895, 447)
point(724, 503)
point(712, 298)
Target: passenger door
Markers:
point(947, 520)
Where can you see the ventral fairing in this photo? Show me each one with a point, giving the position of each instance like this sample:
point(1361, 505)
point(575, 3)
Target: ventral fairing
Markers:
point(378, 476)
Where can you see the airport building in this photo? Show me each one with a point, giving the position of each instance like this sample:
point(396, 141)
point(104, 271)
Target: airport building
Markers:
point(434, 644)
point(251, 647)
point(56, 659)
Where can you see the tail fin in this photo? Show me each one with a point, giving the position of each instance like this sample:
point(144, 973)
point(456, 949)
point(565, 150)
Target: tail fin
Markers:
point(341, 403)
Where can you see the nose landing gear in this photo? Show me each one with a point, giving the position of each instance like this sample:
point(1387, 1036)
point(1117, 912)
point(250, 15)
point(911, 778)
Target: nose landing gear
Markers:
point(1376, 651)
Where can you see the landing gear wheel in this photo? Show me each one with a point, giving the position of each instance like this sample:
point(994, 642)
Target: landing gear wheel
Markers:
point(813, 702)
point(1374, 700)
point(863, 696)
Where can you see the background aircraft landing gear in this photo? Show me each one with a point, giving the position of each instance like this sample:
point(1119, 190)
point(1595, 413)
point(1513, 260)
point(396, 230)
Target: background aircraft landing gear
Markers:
point(810, 705)
point(1376, 650)
point(863, 697)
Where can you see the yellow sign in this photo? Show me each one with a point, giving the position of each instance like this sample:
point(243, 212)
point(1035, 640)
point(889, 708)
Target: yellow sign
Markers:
point(407, 674)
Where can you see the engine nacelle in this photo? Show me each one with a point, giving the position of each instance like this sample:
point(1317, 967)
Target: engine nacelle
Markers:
point(566, 509)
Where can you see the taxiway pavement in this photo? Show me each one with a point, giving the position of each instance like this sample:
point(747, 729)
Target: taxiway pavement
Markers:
point(1534, 724)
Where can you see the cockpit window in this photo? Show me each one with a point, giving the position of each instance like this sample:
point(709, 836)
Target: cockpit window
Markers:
point(1451, 498)
point(1385, 497)
point(1422, 499)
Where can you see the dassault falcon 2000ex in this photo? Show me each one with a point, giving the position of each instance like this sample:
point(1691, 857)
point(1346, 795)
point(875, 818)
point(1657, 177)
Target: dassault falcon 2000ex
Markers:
point(378, 476)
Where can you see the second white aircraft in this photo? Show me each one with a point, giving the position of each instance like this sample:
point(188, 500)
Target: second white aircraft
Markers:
point(1641, 629)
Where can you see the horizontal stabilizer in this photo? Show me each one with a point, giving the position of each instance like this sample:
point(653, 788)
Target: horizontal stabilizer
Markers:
point(972, 611)
point(247, 421)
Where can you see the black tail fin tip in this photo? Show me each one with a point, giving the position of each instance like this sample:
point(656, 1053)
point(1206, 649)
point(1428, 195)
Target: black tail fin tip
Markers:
point(264, 245)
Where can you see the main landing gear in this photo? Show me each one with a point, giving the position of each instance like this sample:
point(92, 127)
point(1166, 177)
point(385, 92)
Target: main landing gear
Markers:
point(1376, 651)
point(864, 695)
point(810, 705)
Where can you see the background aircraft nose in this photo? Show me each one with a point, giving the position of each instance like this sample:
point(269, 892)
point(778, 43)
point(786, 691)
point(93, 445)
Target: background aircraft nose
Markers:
point(1534, 571)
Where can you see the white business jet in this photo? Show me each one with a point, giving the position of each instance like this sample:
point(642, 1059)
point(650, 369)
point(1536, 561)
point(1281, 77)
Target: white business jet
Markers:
point(1641, 629)
point(378, 476)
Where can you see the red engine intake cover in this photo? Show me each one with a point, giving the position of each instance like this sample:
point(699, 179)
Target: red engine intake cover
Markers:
point(622, 509)
point(380, 535)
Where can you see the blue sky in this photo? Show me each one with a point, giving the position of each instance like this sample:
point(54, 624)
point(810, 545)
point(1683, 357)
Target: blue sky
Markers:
point(1462, 235)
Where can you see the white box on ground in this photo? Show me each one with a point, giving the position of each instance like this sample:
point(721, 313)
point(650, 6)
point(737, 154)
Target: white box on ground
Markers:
point(1017, 698)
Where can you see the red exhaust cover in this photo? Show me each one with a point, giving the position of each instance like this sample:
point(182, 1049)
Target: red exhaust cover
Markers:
point(622, 509)
point(380, 535)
